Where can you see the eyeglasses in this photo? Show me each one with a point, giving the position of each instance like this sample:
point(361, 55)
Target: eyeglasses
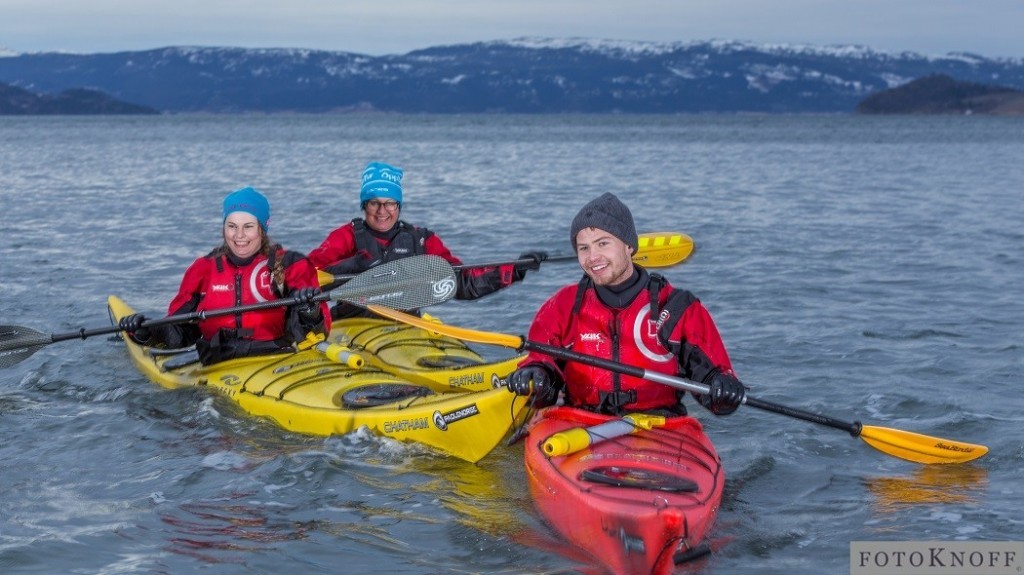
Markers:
point(389, 205)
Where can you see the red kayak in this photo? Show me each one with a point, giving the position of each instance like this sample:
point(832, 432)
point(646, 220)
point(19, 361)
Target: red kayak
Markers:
point(639, 503)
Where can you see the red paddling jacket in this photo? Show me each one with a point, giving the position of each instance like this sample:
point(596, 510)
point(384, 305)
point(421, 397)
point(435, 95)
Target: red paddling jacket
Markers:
point(219, 280)
point(650, 325)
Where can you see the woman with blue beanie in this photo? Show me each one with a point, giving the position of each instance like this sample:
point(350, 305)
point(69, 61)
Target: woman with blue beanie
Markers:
point(246, 268)
point(380, 236)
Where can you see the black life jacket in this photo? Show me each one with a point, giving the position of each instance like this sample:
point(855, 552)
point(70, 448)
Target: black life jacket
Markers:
point(408, 240)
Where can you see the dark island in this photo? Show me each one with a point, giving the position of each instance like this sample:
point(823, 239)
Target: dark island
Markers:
point(15, 101)
point(941, 94)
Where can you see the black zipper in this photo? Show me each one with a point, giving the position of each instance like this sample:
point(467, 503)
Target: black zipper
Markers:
point(238, 299)
point(616, 378)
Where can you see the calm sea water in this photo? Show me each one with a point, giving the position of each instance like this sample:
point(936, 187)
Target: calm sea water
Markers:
point(864, 268)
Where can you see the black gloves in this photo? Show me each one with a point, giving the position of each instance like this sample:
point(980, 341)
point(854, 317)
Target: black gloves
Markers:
point(530, 379)
point(534, 265)
point(305, 295)
point(537, 257)
point(132, 325)
point(308, 310)
point(537, 381)
point(725, 395)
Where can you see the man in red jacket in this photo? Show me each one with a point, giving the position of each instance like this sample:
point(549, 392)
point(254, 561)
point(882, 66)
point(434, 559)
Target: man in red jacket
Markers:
point(380, 236)
point(620, 312)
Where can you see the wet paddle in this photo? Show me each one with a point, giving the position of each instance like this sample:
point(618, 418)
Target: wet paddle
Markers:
point(409, 283)
point(898, 443)
point(655, 250)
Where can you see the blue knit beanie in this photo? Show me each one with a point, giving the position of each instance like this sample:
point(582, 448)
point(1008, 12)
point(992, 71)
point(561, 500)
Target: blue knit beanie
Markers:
point(381, 180)
point(250, 201)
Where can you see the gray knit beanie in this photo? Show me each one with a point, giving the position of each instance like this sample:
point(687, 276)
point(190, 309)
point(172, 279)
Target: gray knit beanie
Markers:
point(609, 214)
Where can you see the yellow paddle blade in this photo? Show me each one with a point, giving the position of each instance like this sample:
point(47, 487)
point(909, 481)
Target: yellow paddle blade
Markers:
point(920, 448)
point(660, 249)
point(463, 333)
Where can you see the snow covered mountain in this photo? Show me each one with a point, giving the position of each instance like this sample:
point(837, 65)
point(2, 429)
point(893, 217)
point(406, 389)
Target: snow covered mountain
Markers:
point(525, 75)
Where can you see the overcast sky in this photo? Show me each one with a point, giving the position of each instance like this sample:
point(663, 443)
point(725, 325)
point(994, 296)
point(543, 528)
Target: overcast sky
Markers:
point(992, 28)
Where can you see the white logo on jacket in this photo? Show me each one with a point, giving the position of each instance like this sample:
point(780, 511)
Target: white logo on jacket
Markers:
point(643, 332)
point(259, 282)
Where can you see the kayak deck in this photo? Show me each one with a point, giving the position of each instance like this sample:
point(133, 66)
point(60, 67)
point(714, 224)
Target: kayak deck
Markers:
point(441, 362)
point(638, 502)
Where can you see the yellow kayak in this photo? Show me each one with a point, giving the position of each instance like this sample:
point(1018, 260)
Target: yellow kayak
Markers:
point(307, 392)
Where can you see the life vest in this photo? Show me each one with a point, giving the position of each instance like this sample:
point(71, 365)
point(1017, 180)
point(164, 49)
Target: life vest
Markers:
point(637, 335)
point(231, 286)
point(407, 241)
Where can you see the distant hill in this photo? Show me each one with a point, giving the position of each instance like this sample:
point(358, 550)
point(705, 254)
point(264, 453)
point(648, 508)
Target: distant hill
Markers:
point(523, 76)
point(941, 94)
point(16, 101)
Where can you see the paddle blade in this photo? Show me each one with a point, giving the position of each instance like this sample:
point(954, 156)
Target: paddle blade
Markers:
point(662, 250)
point(17, 343)
point(407, 283)
point(462, 333)
point(920, 448)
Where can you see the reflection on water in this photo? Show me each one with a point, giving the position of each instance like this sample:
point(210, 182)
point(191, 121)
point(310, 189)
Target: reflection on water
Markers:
point(210, 530)
point(477, 494)
point(929, 484)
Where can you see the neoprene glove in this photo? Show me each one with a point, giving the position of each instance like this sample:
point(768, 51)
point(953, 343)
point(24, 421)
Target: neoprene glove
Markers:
point(536, 258)
point(726, 394)
point(305, 295)
point(309, 310)
point(132, 325)
point(531, 379)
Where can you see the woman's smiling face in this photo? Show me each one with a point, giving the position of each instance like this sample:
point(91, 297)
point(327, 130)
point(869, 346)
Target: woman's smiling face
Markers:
point(243, 234)
point(381, 214)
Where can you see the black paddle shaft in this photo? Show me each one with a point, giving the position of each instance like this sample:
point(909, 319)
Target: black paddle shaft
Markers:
point(408, 283)
point(18, 342)
point(853, 429)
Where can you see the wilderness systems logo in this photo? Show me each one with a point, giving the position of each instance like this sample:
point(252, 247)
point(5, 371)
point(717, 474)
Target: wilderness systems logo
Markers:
point(444, 288)
point(936, 557)
point(443, 420)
